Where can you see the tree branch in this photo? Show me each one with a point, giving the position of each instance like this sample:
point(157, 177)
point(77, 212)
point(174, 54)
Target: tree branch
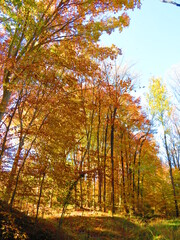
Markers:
point(172, 2)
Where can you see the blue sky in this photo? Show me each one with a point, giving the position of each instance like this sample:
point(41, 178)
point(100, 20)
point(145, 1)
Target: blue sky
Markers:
point(151, 43)
point(152, 40)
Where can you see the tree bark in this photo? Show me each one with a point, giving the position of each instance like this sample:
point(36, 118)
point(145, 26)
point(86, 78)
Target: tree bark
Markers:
point(98, 156)
point(133, 179)
point(123, 177)
point(94, 191)
point(105, 154)
point(139, 164)
point(4, 101)
point(113, 115)
point(81, 189)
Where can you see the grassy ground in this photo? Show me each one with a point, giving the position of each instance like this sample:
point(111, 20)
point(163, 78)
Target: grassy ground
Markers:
point(78, 226)
point(103, 228)
point(165, 229)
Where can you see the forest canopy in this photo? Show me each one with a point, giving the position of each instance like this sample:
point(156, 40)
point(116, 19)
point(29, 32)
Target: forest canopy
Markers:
point(71, 130)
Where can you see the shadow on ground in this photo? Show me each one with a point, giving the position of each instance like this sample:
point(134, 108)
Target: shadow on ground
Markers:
point(16, 225)
point(79, 228)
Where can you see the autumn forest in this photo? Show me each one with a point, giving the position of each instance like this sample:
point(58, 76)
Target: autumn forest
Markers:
point(75, 142)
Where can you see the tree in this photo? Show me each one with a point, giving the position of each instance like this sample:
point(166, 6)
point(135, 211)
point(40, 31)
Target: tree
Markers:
point(35, 29)
point(175, 87)
point(161, 109)
point(83, 150)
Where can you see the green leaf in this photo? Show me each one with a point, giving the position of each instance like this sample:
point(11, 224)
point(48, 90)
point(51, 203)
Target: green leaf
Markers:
point(17, 3)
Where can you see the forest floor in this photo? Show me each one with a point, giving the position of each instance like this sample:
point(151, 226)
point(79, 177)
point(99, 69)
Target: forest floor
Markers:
point(81, 226)
point(102, 227)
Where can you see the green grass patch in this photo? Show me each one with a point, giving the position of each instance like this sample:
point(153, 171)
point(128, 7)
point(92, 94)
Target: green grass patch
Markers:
point(165, 229)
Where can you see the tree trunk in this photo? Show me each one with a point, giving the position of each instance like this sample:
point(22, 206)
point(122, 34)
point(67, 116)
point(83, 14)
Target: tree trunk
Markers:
point(8, 127)
point(40, 194)
point(123, 178)
point(133, 179)
point(89, 135)
point(4, 101)
point(88, 182)
point(98, 156)
point(94, 192)
point(13, 174)
point(113, 115)
point(139, 164)
point(66, 201)
point(81, 194)
point(142, 193)
point(23, 163)
point(75, 193)
point(171, 175)
point(51, 198)
point(105, 154)
point(138, 188)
